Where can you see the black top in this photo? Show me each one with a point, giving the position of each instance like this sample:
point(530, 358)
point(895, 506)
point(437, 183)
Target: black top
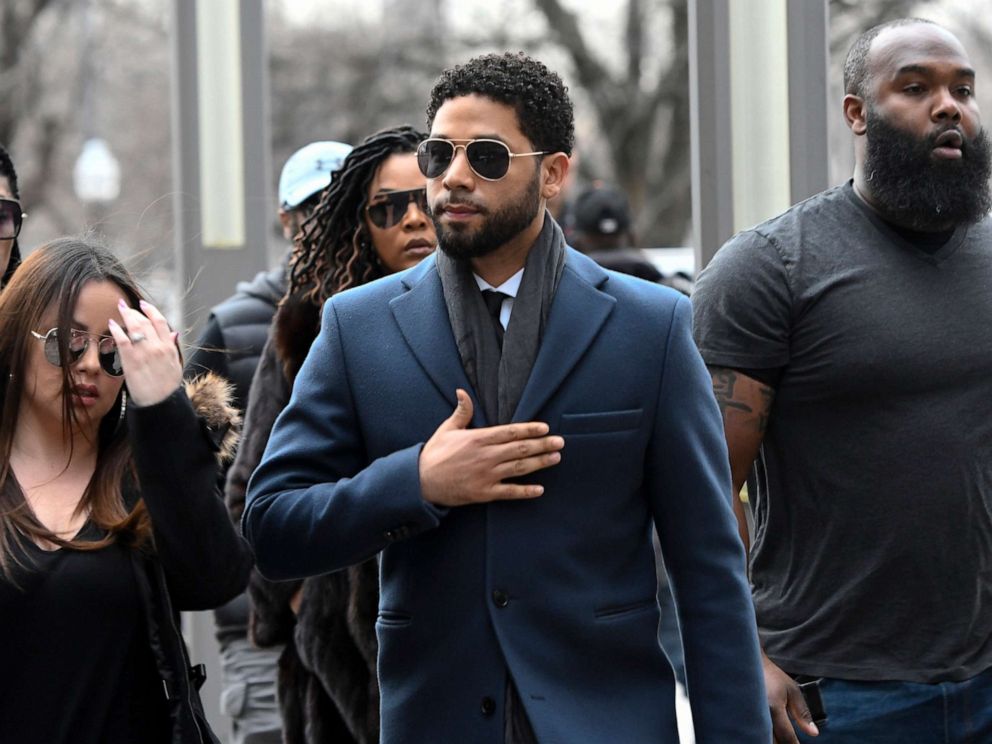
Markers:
point(873, 506)
point(928, 242)
point(77, 665)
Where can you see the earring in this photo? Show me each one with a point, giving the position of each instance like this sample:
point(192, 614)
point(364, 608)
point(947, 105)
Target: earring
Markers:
point(120, 417)
point(359, 240)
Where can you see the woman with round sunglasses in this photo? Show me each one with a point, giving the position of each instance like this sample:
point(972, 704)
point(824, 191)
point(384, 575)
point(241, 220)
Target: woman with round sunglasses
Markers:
point(11, 217)
point(109, 518)
point(371, 221)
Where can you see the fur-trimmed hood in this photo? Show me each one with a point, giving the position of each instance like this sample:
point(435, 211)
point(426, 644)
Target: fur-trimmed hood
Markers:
point(212, 399)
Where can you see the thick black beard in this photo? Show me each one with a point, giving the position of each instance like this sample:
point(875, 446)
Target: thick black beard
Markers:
point(497, 229)
point(914, 189)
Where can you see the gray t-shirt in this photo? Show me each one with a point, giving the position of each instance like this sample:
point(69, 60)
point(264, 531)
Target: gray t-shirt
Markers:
point(872, 555)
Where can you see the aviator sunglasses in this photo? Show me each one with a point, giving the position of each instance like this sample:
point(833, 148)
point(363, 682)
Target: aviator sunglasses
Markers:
point(489, 159)
point(393, 205)
point(11, 218)
point(79, 342)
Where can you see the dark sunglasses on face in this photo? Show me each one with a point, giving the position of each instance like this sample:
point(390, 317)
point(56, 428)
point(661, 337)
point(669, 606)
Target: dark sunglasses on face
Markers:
point(79, 342)
point(489, 159)
point(393, 205)
point(11, 218)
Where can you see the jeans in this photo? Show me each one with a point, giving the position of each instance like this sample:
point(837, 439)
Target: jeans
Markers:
point(906, 712)
point(248, 695)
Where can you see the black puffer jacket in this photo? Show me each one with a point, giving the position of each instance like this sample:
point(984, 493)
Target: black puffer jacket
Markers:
point(236, 331)
point(198, 561)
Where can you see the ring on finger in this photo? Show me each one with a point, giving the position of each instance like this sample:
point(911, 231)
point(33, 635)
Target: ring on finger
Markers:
point(137, 337)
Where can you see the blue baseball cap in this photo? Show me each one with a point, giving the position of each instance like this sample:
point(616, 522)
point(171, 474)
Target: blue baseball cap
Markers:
point(308, 170)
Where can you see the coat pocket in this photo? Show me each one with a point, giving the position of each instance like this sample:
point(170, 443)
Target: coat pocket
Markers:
point(600, 423)
point(618, 612)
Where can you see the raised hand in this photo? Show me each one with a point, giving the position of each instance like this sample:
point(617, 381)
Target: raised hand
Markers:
point(461, 466)
point(149, 357)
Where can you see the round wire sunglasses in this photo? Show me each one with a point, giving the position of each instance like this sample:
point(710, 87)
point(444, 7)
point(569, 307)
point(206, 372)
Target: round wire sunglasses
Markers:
point(79, 342)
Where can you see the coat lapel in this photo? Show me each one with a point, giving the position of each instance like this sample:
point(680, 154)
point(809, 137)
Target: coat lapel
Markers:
point(578, 312)
point(422, 318)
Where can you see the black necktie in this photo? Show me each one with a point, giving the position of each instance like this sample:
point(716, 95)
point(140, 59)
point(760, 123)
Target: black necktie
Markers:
point(494, 303)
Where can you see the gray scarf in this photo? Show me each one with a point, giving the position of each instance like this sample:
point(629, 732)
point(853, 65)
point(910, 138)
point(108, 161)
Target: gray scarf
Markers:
point(499, 377)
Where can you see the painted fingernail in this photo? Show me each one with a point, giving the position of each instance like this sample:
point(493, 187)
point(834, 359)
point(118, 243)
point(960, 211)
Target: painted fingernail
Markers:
point(144, 304)
point(121, 303)
point(112, 323)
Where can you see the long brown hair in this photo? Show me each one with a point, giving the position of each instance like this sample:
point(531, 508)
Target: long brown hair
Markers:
point(53, 276)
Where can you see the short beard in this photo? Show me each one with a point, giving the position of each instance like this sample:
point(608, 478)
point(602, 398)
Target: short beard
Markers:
point(497, 229)
point(914, 189)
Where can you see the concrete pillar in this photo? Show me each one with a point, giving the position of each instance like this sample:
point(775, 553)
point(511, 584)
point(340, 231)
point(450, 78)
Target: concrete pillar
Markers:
point(223, 200)
point(757, 75)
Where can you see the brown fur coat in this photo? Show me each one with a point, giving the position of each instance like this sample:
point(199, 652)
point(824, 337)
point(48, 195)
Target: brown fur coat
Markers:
point(211, 397)
point(328, 690)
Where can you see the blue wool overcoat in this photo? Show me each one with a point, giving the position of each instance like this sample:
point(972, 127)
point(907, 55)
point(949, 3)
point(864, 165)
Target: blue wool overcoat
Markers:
point(558, 591)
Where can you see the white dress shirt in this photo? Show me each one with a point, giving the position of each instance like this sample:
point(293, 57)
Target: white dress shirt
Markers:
point(510, 287)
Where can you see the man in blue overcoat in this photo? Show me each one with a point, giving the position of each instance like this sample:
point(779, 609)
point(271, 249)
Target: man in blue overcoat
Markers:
point(503, 425)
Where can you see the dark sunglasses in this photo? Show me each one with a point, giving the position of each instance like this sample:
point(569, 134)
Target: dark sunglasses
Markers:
point(393, 205)
point(79, 342)
point(11, 218)
point(489, 159)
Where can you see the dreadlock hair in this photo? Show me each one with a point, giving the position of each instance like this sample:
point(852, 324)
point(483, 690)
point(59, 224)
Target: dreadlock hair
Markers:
point(333, 250)
point(537, 94)
point(7, 171)
point(856, 62)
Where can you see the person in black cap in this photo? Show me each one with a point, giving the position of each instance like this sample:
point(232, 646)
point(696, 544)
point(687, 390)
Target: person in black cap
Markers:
point(601, 228)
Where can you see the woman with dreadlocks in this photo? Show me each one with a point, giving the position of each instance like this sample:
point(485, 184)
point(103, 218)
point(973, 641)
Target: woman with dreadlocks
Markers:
point(371, 221)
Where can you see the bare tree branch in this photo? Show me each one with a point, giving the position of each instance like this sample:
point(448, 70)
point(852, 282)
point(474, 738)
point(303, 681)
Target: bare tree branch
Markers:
point(628, 115)
point(17, 22)
point(592, 74)
point(635, 41)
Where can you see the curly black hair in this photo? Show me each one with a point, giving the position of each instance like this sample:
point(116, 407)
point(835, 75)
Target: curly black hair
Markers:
point(537, 94)
point(7, 171)
point(333, 251)
point(856, 62)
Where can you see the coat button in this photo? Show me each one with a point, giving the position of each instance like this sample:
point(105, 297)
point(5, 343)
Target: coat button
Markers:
point(488, 706)
point(500, 598)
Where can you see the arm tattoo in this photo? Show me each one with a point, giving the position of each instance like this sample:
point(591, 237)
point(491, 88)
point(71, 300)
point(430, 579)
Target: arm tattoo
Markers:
point(725, 389)
point(724, 381)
